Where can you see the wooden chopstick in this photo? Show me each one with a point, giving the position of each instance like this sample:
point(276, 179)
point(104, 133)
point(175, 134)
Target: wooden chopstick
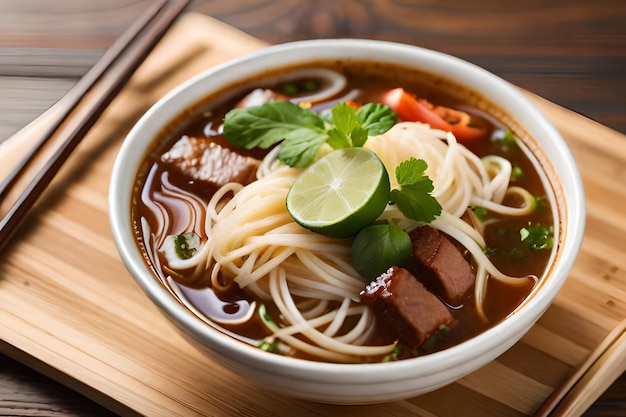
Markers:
point(603, 366)
point(82, 87)
point(101, 85)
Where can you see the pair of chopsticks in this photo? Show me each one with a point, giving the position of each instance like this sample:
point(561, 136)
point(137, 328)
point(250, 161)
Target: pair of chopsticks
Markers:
point(605, 364)
point(67, 122)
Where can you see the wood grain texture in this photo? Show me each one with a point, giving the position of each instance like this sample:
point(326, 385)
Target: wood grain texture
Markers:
point(568, 51)
point(599, 275)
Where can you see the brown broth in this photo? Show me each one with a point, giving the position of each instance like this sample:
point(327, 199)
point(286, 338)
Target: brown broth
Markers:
point(370, 80)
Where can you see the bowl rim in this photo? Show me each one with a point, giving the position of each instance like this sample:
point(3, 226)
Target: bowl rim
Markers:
point(496, 339)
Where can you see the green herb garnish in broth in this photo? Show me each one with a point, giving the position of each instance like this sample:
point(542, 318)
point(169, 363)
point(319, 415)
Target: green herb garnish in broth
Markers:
point(480, 213)
point(301, 132)
point(537, 237)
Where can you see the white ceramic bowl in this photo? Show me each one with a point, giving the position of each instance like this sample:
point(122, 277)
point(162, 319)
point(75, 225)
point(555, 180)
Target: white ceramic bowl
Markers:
point(358, 383)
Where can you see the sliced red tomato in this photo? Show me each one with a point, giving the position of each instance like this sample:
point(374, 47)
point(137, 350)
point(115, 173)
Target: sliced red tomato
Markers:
point(353, 104)
point(411, 109)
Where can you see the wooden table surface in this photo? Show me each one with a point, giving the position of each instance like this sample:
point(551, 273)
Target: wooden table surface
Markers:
point(571, 52)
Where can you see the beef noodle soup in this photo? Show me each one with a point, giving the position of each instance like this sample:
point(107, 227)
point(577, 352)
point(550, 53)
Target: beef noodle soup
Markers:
point(462, 237)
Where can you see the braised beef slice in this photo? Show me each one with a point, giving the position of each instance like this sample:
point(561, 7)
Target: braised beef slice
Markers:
point(441, 265)
point(405, 306)
point(203, 160)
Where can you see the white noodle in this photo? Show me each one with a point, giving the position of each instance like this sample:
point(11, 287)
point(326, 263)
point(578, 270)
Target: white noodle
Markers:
point(252, 241)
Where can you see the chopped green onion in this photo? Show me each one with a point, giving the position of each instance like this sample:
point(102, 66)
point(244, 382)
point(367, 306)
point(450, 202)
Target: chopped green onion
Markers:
point(395, 355)
point(267, 319)
point(516, 253)
point(509, 138)
point(309, 85)
point(290, 89)
point(180, 247)
point(480, 213)
point(537, 237)
point(487, 250)
point(183, 247)
point(272, 347)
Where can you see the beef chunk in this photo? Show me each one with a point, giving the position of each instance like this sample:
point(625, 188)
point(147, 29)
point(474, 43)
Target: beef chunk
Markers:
point(403, 304)
point(434, 251)
point(204, 160)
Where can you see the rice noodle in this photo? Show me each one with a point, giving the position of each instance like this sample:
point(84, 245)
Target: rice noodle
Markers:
point(309, 277)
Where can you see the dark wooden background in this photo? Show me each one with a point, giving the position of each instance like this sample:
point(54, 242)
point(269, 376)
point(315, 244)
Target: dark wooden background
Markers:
point(571, 52)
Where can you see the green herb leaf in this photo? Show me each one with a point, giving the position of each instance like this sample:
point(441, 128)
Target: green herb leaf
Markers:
point(509, 138)
point(480, 213)
point(300, 147)
point(290, 89)
point(344, 118)
point(395, 355)
point(537, 237)
point(266, 125)
point(516, 253)
point(338, 139)
point(540, 202)
point(443, 332)
point(271, 347)
point(183, 245)
point(266, 318)
point(378, 247)
point(302, 131)
point(414, 197)
point(411, 172)
point(348, 131)
point(488, 250)
point(376, 118)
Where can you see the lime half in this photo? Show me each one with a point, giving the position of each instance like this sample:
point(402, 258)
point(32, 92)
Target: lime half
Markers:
point(341, 193)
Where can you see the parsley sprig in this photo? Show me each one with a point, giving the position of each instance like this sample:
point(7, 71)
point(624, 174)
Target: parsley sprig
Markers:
point(414, 197)
point(302, 132)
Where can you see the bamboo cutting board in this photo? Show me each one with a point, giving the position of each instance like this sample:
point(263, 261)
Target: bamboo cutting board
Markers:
point(69, 309)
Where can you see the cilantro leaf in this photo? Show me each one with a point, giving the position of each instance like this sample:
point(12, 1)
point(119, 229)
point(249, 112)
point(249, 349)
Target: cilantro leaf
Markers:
point(338, 139)
point(344, 118)
point(412, 171)
point(300, 147)
point(376, 118)
point(301, 131)
point(414, 197)
point(266, 125)
point(348, 131)
point(378, 247)
point(415, 203)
